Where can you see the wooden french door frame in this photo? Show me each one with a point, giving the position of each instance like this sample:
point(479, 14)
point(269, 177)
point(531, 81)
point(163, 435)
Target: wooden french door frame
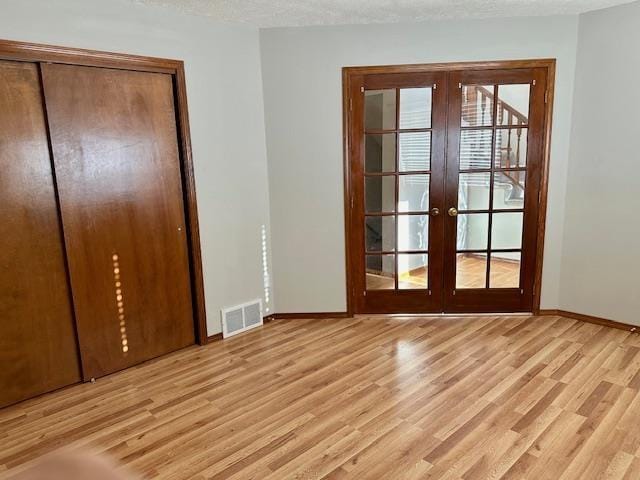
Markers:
point(516, 298)
point(42, 54)
point(389, 301)
point(352, 100)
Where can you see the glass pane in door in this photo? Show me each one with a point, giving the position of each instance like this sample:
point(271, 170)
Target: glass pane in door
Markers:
point(380, 233)
point(477, 105)
point(413, 232)
point(513, 104)
point(380, 193)
point(506, 231)
point(414, 153)
point(505, 270)
point(413, 271)
point(473, 231)
point(415, 108)
point(381, 272)
point(380, 153)
point(380, 110)
point(508, 190)
point(475, 149)
point(511, 148)
point(413, 193)
point(473, 191)
point(471, 270)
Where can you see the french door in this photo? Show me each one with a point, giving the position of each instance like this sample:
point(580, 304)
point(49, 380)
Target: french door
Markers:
point(444, 185)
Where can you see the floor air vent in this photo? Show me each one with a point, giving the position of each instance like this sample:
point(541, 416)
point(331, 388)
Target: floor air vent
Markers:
point(241, 318)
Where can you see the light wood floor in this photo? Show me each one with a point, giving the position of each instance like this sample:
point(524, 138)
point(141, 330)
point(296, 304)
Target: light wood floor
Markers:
point(365, 398)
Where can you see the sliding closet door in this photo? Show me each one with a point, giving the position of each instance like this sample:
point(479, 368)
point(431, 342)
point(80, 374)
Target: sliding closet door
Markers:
point(115, 149)
point(38, 350)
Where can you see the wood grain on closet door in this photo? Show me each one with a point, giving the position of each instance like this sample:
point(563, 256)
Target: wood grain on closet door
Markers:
point(115, 148)
point(38, 351)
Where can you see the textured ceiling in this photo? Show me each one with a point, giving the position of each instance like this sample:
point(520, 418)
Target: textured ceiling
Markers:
point(274, 13)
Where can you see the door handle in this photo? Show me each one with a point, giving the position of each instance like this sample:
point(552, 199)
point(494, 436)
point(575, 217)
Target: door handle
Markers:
point(435, 212)
point(453, 212)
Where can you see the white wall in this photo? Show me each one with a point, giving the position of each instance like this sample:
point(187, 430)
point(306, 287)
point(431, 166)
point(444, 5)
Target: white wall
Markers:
point(601, 256)
point(301, 70)
point(226, 114)
point(302, 84)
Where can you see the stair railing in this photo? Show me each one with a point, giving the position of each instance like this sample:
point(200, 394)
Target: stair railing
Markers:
point(515, 119)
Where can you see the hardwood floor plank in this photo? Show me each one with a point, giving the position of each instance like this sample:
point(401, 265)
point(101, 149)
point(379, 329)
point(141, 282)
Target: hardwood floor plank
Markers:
point(373, 397)
point(515, 453)
point(603, 442)
point(633, 469)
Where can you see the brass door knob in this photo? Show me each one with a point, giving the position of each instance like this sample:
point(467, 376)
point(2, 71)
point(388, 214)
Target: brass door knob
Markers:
point(453, 212)
point(435, 212)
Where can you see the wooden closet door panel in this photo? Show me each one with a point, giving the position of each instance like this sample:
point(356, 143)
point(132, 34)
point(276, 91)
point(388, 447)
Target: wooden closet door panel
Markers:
point(38, 350)
point(115, 149)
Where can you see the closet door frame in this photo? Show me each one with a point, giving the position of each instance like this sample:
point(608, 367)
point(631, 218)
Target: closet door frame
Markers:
point(37, 53)
point(352, 76)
